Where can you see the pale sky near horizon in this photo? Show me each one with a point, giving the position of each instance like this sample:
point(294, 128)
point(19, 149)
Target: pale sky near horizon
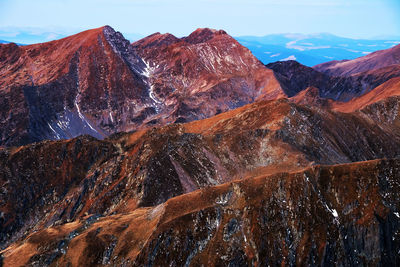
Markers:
point(348, 18)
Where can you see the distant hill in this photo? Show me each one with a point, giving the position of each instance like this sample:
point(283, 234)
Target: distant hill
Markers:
point(311, 49)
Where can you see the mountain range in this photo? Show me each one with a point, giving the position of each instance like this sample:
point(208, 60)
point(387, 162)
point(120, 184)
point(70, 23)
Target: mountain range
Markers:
point(307, 49)
point(312, 49)
point(189, 151)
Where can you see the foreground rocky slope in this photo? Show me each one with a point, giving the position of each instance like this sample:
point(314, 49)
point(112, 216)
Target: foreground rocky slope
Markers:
point(324, 215)
point(51, 183)
point(97, 83)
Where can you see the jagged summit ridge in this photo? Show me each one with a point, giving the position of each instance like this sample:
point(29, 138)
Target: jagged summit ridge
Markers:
point(123, 47)
point(202, 35)
point(96, 82)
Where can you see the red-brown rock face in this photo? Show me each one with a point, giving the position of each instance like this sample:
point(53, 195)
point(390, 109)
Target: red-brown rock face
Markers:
point(206, 73)
point(69, 87)
point(324, 215)
point(96, 83)
point(54, 182)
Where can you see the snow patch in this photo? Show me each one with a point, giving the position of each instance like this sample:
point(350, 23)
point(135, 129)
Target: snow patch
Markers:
point(83, 118)
point(333, 211)
point(54, 131)
point(152, 96)
point(111, 117)
point(147, 72)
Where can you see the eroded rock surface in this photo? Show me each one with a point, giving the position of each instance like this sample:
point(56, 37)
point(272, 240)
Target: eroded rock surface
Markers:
point(324, 215)
point(55, 182)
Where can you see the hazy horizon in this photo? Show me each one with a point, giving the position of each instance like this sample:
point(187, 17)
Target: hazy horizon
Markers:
point(360, 19)
point(49, 34)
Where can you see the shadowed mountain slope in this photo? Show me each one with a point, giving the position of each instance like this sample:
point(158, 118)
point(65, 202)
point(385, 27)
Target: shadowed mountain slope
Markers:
point(295, 78)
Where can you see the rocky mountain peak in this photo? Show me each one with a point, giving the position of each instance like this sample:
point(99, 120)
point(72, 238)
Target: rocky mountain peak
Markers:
point(156, 40)
point(123, 47)
point(97, 83)
point(202, 35)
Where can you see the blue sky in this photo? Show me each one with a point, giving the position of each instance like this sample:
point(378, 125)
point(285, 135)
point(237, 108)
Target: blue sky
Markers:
point(348, 18)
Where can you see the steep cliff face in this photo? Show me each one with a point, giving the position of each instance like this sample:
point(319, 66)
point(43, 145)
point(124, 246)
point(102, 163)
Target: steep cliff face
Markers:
point(324, 215)
point(97, 83)
point(52, 183)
